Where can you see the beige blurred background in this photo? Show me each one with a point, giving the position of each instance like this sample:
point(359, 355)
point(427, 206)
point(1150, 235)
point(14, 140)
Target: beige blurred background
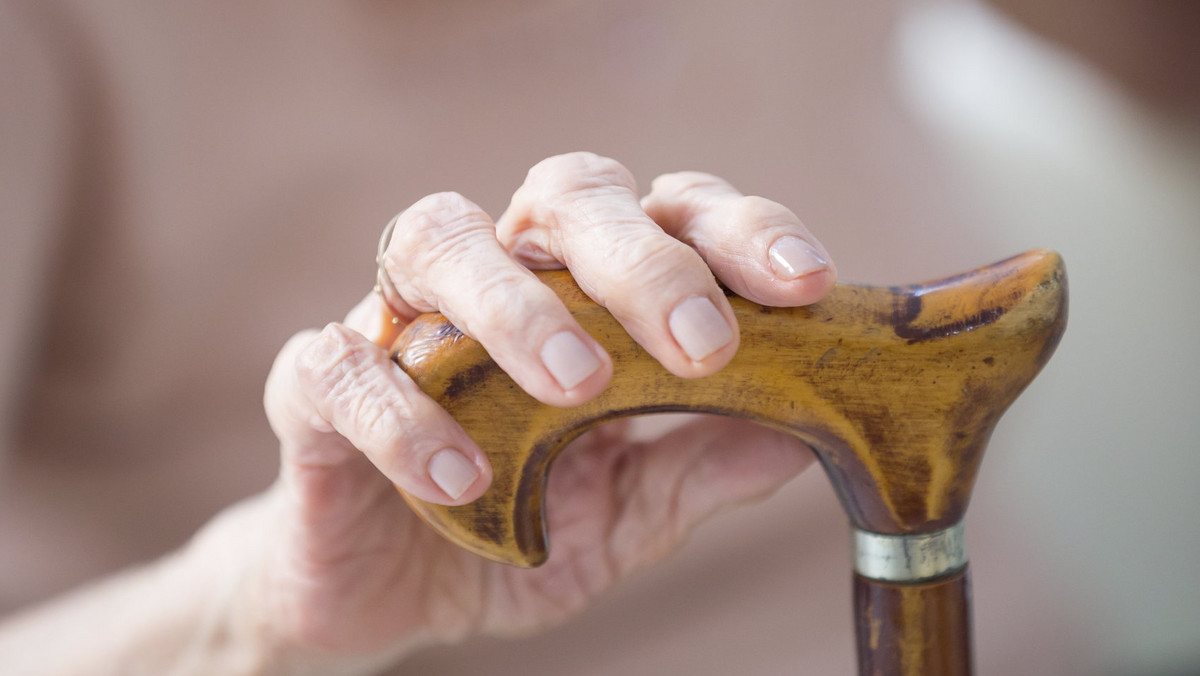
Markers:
point(199, 180)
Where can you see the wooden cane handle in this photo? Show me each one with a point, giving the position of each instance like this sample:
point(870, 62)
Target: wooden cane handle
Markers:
point(895, 388)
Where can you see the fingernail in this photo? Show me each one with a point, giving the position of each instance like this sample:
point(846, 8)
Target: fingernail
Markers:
point(452, 472)
point(792, 258)
point(568, 359)
point(699, 327)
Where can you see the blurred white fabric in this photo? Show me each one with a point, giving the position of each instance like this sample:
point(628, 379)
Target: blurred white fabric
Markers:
point(1099, 459)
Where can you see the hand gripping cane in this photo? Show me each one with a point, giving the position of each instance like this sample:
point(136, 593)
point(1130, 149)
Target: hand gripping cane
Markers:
point(896, 389)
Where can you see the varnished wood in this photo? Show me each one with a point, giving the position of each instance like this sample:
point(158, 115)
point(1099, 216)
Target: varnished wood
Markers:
point(921, 629)
point(896, 389)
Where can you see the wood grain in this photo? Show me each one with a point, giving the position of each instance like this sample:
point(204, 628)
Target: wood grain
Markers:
point(921, 629)
point(895, 388)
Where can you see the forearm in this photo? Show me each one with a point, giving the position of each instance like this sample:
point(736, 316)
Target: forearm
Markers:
point(200, 610)
point(147, 620)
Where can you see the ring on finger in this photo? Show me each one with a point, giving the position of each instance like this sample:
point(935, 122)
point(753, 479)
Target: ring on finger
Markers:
point(383, 282)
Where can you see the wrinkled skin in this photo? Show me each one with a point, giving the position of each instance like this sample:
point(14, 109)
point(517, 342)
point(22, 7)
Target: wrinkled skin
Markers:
point(345, 567)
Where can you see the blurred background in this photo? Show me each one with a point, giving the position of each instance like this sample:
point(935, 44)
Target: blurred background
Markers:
point(187, 185)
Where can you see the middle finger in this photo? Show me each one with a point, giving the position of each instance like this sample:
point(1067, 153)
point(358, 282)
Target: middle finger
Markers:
point(583, 210)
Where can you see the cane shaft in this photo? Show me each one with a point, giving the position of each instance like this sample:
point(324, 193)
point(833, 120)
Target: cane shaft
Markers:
point(914, 629)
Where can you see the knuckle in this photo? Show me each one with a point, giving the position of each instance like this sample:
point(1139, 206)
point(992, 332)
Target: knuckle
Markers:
point(374, 409)
point(432, 218)
point(688, 186)
point(580, 172)
point(440, 228)
point(692, 205)
point(440, 202)
point(503, 299)
point(753, 211)
point(325, 364)
point(351, 382)
point(332, 363)
point(654, 259)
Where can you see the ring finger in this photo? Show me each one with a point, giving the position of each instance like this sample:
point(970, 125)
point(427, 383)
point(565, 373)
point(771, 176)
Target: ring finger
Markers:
point(444, 256)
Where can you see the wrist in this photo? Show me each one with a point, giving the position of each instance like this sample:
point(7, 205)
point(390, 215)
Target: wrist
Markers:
point(217, 578)
point(240, 619)
point(189, 612)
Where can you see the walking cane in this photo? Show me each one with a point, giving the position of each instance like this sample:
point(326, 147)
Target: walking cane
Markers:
point(896, 389)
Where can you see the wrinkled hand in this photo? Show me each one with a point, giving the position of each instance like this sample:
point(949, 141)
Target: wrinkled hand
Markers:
point(349, 568)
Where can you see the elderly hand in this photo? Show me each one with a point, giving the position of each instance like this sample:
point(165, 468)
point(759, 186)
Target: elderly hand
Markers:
point(345, 568)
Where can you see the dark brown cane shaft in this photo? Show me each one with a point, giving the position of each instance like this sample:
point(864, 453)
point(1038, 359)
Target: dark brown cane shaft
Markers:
point(914, 629)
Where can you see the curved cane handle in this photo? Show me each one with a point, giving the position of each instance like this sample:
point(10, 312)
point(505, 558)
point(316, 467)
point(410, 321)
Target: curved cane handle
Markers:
point(895, 388)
